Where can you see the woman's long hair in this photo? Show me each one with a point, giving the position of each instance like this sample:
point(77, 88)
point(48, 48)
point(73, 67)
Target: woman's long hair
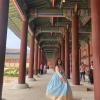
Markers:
point(60, 65)
point(56, 64)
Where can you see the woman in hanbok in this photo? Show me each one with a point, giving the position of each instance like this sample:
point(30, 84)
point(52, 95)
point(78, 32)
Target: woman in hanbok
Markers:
point(58, 87)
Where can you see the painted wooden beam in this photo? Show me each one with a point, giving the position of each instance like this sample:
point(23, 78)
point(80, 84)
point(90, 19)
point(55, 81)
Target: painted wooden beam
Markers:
point(23, 17)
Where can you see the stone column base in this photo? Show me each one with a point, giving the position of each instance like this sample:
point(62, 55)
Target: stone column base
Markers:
point(31, 79)
point(20, 86)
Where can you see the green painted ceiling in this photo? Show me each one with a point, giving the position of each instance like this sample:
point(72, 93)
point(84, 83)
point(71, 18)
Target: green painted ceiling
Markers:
point(50, 37)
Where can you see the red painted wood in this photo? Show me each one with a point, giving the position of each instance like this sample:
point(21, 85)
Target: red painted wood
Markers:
point(4, 6)
point(75, 51)
point(36, 58)
point(95, 15)
point(23, 52)
point(62, 50)
point(80, 56)
point(31, 61)
point(19, 10)
point(39, 57)
point(67, 60)
point(88, 53)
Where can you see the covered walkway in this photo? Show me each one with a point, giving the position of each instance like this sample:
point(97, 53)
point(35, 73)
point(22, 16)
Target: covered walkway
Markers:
point(37, 90)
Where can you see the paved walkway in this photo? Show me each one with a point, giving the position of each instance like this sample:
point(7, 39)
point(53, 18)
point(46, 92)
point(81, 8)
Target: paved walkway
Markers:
point(37, 90)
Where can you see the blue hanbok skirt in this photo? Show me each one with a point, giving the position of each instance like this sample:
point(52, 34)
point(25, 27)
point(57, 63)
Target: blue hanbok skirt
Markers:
point(58, 90)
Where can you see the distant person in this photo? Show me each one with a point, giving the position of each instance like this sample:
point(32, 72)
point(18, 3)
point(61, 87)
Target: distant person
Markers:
point(91, 73)
point(47, 66)
point(82, 72)
point(41, 69)
point(58, 87)
point(45, 69)
point(87, 71)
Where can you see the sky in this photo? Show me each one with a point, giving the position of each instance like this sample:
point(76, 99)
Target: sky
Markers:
point(13, 41)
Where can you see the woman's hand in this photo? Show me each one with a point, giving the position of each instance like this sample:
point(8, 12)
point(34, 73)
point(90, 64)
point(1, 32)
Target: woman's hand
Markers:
point(62, 79)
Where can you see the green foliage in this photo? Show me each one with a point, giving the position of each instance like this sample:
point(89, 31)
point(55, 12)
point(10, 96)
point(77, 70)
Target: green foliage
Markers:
point(11, 72)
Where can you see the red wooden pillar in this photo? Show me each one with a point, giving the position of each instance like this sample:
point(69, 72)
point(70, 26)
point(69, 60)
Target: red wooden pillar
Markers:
point(36, 58)
point(70, 57)
point(62, 50)
point(67, 60)
point(95, 15)
point(88, 53)
point(23, 51)
point(43, 59)
point(80, 56)
point(31, 60)
point(59, 52)
point(4, 6)
point(39, 57)
point(75, 51)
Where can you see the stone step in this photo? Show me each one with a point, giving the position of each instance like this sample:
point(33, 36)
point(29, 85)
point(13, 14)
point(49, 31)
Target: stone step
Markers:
point(79, 88)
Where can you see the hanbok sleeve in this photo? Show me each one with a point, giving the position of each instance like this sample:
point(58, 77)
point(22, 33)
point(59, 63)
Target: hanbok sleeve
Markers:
point(58, 72)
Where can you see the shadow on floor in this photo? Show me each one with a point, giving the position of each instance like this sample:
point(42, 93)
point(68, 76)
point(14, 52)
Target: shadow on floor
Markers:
point(89, 89)
point(77, 99)
point(3, 99)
